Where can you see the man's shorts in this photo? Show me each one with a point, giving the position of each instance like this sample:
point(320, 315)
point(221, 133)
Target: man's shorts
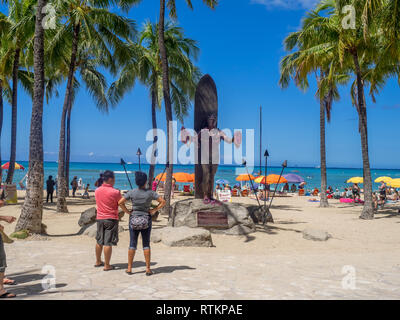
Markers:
point(3, 263)
point(107, 232)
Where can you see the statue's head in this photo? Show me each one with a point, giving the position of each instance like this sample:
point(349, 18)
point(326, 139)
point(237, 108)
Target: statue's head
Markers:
point(212, 121)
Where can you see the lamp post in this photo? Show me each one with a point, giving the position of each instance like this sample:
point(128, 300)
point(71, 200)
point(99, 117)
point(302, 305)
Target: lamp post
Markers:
point(139, 153)
point(266, 155)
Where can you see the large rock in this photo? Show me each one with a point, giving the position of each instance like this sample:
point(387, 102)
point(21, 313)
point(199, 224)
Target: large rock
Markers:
point(185, 237)
point(316, 235)
point(184, 213)
point(88, 217)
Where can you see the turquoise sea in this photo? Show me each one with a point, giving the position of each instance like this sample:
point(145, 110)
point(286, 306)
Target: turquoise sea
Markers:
point(89, 172)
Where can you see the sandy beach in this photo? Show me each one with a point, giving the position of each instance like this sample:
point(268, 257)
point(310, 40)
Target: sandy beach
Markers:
point(360, 261)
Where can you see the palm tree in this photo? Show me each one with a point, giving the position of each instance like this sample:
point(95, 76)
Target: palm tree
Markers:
point(88, 22)
point(310, 58)
point(166, 88)
point(32, 209)
point(145, 65)
point(20, 32)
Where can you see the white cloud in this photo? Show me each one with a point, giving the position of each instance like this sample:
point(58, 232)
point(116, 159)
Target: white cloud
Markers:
point(286, 4)
point(91, 154)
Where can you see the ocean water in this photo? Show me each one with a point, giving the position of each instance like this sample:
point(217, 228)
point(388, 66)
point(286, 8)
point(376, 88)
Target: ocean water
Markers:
point(89, 172)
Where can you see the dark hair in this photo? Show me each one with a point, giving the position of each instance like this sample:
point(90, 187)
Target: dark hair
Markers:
point(140, 179)
point(50, 177)
point(108, 175)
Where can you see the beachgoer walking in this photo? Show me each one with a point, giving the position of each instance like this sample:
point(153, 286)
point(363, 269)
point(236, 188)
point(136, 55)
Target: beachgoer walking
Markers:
point(86, 193)
point(107, 219)
point(74, 184)
point(3, 261)
point(140, 221)
point(50, 183)
point(80, 184)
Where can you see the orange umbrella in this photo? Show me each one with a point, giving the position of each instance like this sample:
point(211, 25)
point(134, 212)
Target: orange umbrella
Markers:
point(179, 177)
point(245, 177)
point(18, 166)
point(273, 179)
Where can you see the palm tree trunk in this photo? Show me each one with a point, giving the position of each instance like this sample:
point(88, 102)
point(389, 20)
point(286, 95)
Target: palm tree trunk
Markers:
point(32, 209)
point(168, 109)
point(1, 125)
point(68, 147)
point(13, 148)
point(154, 122)
point(368, 210)
point(324, 200)
point(62, 190)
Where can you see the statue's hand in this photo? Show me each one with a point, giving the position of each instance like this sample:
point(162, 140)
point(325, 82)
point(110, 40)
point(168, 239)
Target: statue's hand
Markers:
point(237, 139)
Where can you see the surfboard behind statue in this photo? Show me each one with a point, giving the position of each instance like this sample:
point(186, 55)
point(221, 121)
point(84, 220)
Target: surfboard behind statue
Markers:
point(206, 103)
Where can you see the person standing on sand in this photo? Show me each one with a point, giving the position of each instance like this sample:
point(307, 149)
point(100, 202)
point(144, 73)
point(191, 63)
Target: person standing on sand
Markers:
point(74, 184)
point(3, 261)
point(107, 220)
point(50, 183)
point(140, 221)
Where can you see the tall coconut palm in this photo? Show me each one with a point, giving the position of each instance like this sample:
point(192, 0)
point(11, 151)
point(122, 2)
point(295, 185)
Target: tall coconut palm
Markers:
point(166, 88)
point(86, 21)
point(145, 65)
point(32, 209)
point(20, 32)
point(312, 58)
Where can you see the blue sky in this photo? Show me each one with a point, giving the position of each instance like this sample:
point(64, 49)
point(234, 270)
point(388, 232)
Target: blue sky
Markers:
point(241, 46)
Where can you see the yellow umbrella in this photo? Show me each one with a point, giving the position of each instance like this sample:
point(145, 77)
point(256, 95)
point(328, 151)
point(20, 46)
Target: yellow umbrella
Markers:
point(395, 183)
point(383, 179)
point(356, 180)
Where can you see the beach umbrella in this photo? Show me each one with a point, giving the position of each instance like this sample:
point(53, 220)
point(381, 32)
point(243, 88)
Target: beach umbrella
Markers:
point(293, 178)
point(395, 183)
point(259, 179)
point(18, 166)
point(245, 177)
point(273, 179)
point(383, 179)
point(179, 177)
point(355, 180)
point(222, 181)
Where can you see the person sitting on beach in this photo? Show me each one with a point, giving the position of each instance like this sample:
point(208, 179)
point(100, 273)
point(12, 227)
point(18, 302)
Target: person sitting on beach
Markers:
point(336, 194)
point(349, 193)
point(286, 187)
point(293, 188)
point(356, 192)
point(107, 219)
point(86, 193)
point(395, 196)
point(140, 221)
point(315, 192)
point(3, 261)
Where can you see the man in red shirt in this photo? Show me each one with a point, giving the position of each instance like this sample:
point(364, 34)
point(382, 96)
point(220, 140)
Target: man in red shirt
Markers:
point(107, 219)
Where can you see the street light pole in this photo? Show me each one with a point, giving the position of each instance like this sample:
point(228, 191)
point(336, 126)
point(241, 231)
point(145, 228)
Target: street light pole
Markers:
point(266, 155)
point(139, 153)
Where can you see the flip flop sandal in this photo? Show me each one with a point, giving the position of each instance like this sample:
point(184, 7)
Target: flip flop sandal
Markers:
point(7, 295)
point(112, 268)
point(12, 283)
point(128, 273)
point(148, 274)
point(99, 265)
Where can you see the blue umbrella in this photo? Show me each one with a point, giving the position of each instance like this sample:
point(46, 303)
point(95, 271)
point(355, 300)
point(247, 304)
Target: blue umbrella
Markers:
point(293, 178)
point(222, 181)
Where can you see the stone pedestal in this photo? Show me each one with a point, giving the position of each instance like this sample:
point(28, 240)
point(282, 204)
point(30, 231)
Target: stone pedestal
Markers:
point(186, 213)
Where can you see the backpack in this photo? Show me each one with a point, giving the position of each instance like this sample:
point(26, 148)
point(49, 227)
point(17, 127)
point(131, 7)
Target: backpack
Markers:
point(139, 222)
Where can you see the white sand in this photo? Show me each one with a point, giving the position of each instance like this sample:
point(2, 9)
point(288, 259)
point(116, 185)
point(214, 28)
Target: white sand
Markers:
point(274, 262)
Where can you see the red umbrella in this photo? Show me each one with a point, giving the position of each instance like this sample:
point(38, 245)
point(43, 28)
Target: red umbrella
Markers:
point(18, 166)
